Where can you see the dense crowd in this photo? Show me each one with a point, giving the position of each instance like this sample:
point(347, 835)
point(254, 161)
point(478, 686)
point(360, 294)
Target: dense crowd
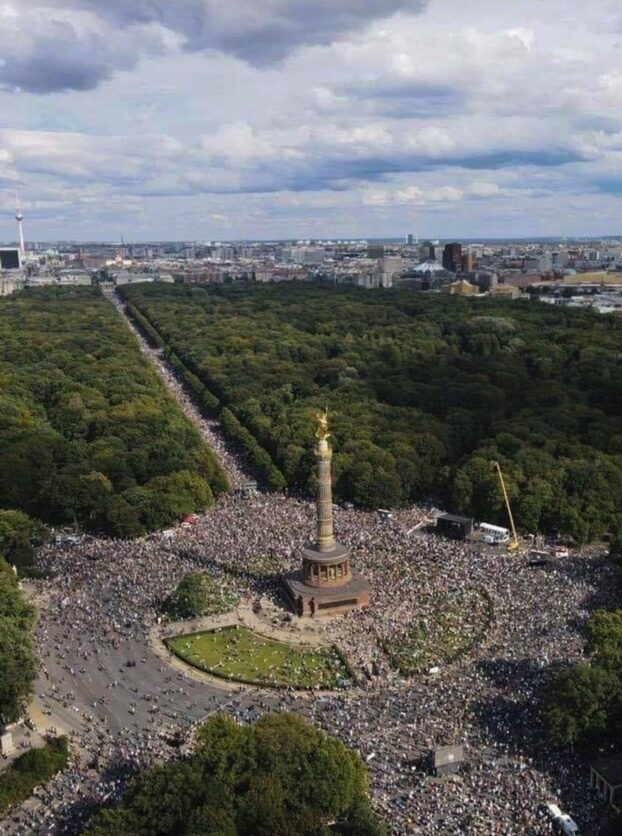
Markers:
point(126, 708)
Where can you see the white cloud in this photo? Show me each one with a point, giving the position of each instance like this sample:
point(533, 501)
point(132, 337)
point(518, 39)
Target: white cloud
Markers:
point(55, 49)
point(54, 45)
point(337, 114)
point(238, 144)
point(483, 189)
point(416, 195)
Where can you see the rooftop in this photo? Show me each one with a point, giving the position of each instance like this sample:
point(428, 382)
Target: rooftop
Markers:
point(448, 754)
point(455, 518)
point(610, 769)
point(429, 266)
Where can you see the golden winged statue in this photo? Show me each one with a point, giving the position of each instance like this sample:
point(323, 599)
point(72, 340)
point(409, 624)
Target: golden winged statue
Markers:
point(321, 425)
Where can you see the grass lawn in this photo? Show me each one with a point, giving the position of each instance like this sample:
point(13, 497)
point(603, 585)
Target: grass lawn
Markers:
point(239, 654)
point(459, 622)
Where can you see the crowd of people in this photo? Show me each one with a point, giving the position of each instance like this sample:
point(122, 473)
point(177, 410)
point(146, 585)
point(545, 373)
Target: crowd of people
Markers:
point(126, 708)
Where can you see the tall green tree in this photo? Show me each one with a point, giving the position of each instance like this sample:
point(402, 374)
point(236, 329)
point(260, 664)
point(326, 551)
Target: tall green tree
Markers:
point(18, 663)
point(422, 393)
point(578, 705)
point(278, 777)
point(19, 535)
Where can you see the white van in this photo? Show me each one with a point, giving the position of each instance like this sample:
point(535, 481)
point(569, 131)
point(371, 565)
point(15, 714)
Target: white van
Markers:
point(562, 824)
point(494, 535)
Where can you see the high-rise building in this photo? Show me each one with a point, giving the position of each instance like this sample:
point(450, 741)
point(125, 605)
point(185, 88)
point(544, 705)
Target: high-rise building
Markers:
point(426, 251)
point(559, 259)
point(375, 251)
point(486, 281)
point(9, 283)
point(10, 258)
point(303, 255)
point(468, 261)
point(388, 268)
point(11, 274)
point(410, 240)
point(452, 258)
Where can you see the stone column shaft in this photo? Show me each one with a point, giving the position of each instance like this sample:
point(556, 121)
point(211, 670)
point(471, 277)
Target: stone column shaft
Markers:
point(324, 502)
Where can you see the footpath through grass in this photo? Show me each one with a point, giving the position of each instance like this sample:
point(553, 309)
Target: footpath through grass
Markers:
point(238, 654)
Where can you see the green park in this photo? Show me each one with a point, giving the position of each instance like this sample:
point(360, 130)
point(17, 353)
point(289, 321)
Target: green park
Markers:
point(238, 654)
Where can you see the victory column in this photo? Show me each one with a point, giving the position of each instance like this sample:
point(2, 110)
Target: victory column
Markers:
point(327, 583)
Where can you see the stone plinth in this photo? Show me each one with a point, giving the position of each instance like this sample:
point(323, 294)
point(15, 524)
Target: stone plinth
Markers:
point(308, 600)
point(327, 584)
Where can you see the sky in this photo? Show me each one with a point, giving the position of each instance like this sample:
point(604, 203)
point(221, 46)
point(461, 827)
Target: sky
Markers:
point(261, 119)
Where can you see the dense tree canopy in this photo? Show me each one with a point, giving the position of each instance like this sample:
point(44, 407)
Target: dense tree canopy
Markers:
point(583, 705)
point(423, 391)
point(90, 435)
point(18, 666)
point(278, 777)
point(19, 534)
point(197, 595)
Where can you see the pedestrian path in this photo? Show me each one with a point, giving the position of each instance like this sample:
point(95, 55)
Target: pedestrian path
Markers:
point(210, 428)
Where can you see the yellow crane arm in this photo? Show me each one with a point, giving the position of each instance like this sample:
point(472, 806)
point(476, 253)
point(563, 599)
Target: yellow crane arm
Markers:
point(515, 542)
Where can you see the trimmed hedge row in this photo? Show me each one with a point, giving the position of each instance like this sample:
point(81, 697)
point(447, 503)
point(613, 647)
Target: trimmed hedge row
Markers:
point(255, 454)
point(208, 401)
point(31, 769)
point(258, 458)
point(218, 479)
point(152, 336)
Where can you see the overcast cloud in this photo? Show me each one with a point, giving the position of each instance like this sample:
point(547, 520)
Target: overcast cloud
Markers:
point(208, 119)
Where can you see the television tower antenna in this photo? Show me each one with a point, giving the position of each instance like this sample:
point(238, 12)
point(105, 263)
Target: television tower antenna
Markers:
point(19, 217)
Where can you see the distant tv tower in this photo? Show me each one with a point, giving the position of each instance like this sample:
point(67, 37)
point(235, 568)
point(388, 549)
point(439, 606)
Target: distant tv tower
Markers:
point(19, 217)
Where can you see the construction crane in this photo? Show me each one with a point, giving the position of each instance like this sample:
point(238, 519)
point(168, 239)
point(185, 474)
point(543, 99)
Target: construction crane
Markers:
point(515, 543)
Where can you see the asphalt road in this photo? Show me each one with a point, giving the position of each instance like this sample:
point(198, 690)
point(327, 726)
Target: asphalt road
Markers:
point(119, 695)
point(110, 711)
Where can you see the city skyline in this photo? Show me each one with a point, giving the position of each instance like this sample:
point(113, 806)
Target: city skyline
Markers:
point(376, 120)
